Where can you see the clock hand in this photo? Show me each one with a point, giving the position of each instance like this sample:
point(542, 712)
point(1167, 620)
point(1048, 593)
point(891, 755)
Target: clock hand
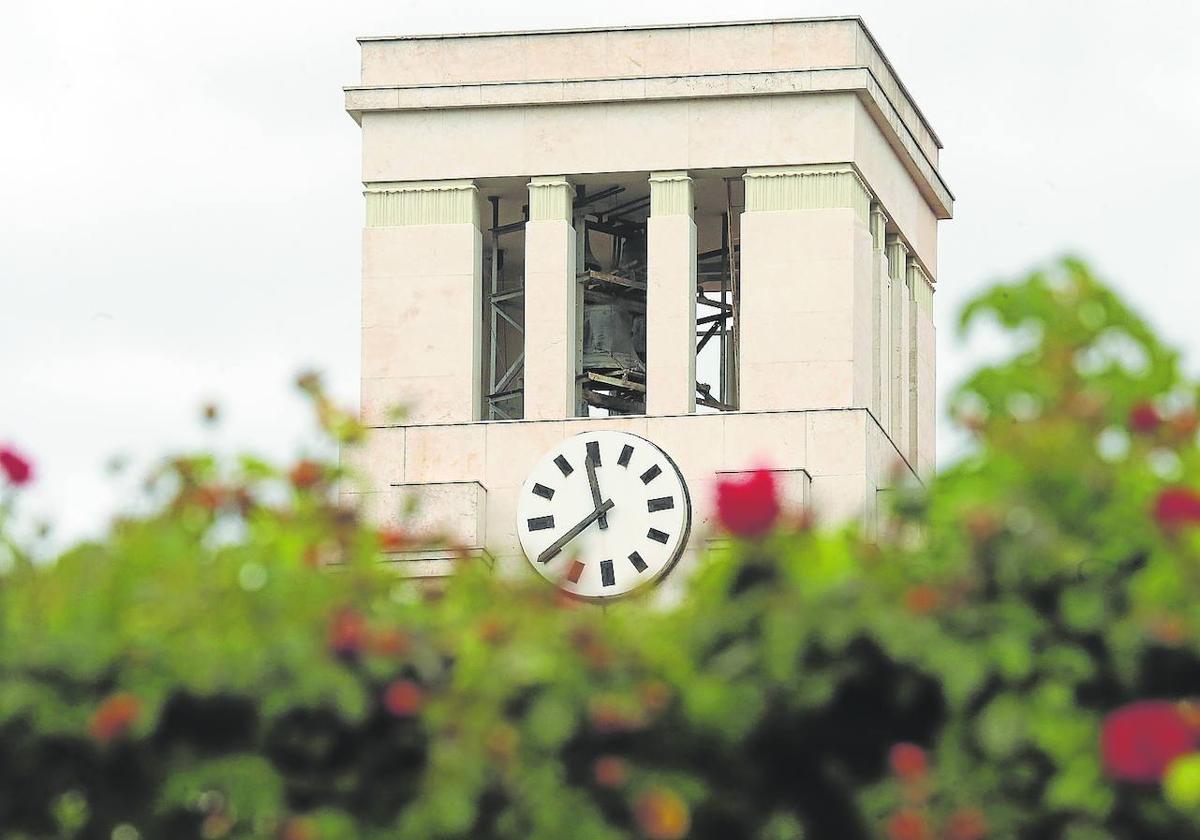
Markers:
point(595, 485)
point(555, 547)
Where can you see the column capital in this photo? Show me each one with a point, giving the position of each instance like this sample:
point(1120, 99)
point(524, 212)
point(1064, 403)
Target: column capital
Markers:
point(671, 194)
point(920, 289)
point(809, 187)
point(551, 198)
point(897, 257)
point(396, 203)
point(879, 221)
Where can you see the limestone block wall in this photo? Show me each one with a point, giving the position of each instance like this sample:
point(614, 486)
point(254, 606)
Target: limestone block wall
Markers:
point(806, 289)
point(844, 455)
point(421, 255)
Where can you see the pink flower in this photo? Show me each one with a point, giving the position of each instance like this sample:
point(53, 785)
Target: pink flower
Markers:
point(1140, 740)
point(1176, 507)
point(16, 468)
point(748, 506)
point(1144, 418)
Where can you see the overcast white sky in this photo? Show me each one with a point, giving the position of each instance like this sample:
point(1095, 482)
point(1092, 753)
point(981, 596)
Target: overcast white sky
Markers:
point(180, 202)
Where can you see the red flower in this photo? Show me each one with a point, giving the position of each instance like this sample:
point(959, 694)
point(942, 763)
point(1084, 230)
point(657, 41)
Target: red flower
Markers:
point(1138, 741)
point(389, 643)
point(748, 506)
point(298, 829)
point(662, 815)
point(347, 633)
point(610, 771)
point(607, 715)
point(211, 497)
point(394, 539)
point(907, 825)
point(966, 824)
point(922, 599)
point(403, 698)
point(306, 474)
point(114, 717)
point(655, 695)
point(1185, 423)
point(1144, 418)
point(908, 761)
point(16, 468)
point(1176, 507)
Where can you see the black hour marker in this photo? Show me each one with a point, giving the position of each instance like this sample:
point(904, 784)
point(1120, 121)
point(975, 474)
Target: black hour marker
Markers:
point(541, 523)
point(564, 465)
point(651, 474)
point(626, 454)
point(575, 572)
point(543, 491)
point(663, 503)
point(637, 561)
point(658, 536)
point(606, 573)
point(593, 450)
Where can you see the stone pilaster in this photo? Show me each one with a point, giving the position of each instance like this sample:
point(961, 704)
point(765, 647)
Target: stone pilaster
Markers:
point(924, 365)
point(671, 296)
point(897, 259)
point(421, 247)
point(880, 323)
point(806, 289)
point(552, 302)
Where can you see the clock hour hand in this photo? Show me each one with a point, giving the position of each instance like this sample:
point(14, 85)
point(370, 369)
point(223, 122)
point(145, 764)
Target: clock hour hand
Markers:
point(557, 546)
point(595, 485)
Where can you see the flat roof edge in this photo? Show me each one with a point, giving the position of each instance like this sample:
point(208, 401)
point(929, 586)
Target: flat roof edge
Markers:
point(435, 36)
point(634, 27)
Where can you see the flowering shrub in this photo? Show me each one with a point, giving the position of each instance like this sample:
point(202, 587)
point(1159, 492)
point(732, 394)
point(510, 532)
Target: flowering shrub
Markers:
point(1012, 656)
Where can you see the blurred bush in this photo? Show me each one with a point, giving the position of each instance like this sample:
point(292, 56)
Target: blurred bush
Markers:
point(239, 663)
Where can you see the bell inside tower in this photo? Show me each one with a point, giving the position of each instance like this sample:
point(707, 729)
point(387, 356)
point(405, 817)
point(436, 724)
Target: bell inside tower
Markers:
point(611, 258)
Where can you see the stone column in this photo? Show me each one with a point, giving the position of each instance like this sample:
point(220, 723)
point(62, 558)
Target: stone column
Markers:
point(671, 296)
point(421, 303)
point(806, 289)
point(881, 326)
point(924, 355)
point(552, 302)
point(897, 256)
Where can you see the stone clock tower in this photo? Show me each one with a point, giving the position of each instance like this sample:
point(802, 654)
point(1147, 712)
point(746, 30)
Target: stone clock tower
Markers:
point(677, 251)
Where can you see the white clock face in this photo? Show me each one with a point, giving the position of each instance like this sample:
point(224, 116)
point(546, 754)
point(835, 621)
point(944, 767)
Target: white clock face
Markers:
point(604, 513)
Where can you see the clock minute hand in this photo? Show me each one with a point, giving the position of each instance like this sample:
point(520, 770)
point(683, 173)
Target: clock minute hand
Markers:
point(557, 546)
point(595, 485)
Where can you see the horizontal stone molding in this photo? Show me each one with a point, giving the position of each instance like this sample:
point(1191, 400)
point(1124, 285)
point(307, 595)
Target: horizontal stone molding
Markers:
point(859, 80)
point(807, 188)
point(550, 199)
point(671, 194)
point(391, 204)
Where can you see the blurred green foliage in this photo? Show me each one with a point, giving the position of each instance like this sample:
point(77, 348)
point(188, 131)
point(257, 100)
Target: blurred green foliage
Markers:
point(239, 663)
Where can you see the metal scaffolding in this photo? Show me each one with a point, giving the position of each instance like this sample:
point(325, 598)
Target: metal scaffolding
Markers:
point(504, 305)
point(611, 326)
point(718, 272)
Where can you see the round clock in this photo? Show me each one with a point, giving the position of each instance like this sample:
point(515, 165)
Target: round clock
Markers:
point(604, 513)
